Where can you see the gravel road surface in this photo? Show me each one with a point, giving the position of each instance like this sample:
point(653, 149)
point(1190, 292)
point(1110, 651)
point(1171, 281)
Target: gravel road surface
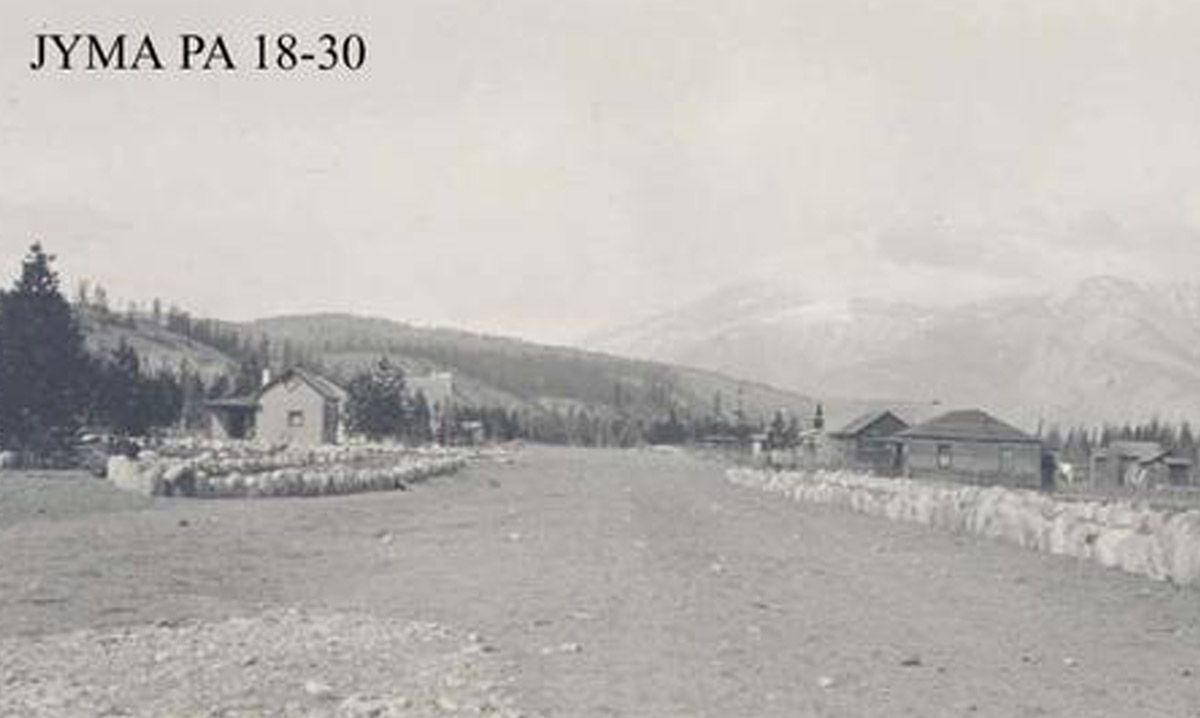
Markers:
point(578, 583)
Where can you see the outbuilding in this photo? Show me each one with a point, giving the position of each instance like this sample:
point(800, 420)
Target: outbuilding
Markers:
point(971, 446)
point(1138, 464)
point(231, 417)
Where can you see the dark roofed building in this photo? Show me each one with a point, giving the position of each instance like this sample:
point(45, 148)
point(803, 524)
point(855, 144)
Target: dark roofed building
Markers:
point(972, 446)
point(866, 444)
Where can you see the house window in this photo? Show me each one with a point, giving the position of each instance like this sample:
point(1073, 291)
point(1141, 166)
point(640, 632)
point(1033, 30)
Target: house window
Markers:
point(1006, 460)
point(943, 456)
point(295, 418)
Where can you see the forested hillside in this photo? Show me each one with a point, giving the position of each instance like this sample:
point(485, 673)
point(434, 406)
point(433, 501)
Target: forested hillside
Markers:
point(536, 391)
point(501, 369)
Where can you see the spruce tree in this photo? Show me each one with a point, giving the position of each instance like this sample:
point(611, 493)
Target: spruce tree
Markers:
point(376, 407)
point(124, 396)
point(44, 367)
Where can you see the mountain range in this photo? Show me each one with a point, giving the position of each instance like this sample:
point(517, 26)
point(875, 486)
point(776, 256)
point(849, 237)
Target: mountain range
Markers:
point(1104, 350)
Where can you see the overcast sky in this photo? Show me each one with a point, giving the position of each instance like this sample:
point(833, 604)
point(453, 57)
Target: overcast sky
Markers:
point(548, 168)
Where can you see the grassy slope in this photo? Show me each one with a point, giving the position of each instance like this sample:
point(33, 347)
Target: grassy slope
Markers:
point(156, 346)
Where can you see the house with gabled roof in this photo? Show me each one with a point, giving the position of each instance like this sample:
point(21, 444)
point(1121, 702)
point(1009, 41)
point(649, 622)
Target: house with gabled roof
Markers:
point(973, 446)
point(866, 443)
point(298, 407)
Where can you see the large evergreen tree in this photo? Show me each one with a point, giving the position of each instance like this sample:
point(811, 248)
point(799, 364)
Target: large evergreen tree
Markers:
point(43, 365)
point(376, 407)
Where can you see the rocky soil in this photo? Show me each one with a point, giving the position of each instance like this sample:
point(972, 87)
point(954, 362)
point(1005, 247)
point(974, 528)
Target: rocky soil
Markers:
point(638, 584)
point(280, 663)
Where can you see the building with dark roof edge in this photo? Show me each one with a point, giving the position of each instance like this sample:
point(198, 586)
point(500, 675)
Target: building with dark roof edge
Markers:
point(866, 443)
point(972, 446)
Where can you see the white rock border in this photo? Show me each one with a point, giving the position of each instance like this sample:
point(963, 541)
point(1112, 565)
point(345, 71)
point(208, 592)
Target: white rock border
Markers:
point(303, 472)
point(1163, 545)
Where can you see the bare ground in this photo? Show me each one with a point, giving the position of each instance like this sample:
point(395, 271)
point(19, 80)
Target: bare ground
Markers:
point(603, 583)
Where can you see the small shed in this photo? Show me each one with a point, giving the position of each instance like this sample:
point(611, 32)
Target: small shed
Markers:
point(232, 417)
point(1139, 464)
point(866, 443)
point(971, 446)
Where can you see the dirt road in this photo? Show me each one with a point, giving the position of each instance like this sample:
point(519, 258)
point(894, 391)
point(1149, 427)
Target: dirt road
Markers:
point(640, 584)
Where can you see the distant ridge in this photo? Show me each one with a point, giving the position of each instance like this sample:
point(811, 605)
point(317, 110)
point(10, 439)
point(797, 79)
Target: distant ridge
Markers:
point(1106, 349)
point(489, 371)
point(502, 370)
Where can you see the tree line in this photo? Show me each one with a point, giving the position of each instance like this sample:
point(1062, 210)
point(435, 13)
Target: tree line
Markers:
point(603, 427)
point(380, 407)
point(51, 386)
point(1076, 445)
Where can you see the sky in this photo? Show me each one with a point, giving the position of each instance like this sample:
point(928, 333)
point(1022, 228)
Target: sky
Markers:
point(551, 169)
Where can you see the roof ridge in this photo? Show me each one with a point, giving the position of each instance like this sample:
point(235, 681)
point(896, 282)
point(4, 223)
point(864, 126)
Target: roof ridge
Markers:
point(974, 424)
point(865, 420)
point(322, 385)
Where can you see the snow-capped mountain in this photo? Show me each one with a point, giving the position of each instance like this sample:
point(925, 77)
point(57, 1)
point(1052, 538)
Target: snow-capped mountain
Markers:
point(1108, 349)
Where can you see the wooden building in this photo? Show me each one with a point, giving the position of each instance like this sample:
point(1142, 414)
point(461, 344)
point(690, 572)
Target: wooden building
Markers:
point(971, 446)
point(866, 444)
point(1138, 464)
point(300, 407)
point(297, 408)
point(231, 417)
